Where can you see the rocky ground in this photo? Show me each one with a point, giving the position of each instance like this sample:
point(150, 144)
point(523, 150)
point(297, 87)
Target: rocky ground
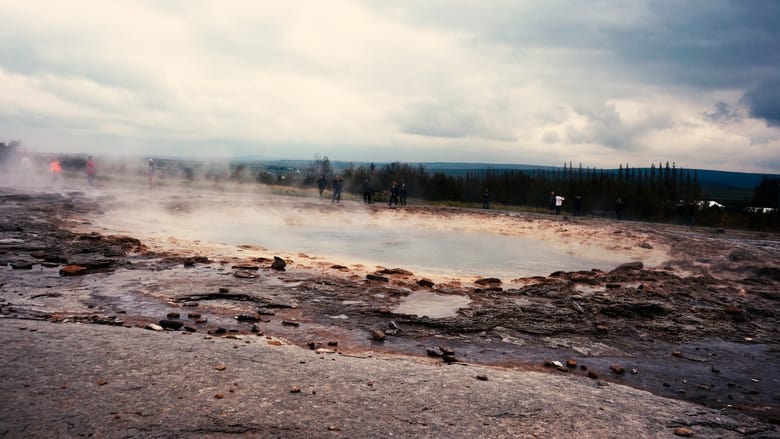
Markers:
point(243, 341)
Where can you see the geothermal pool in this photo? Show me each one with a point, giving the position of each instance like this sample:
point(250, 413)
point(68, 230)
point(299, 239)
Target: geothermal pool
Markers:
point(436, 252)
point(459, 245)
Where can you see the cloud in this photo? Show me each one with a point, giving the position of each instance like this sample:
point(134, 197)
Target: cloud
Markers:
point(763, 102)
point(522, 81)
point(722, 112)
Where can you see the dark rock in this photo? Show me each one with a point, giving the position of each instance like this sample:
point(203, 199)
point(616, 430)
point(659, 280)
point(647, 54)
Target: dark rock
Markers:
point(772, 273)
point(488, 281)
point(194, 315)
point(333, 343)
point(22, 265)
point(265, 312)
point(434, 352)
point(425, 283)
point(339, 267)
point(482, 377)
point(290, 323)
point(191, 261)
point(278, 264)
point(618, 369)
point(173, 315)
point(447, 350)
point(612, 286)
point(377, 277)
point(630, 266)
point(246, 318)
point(449, 359)
point(646, 245)
point(171, 324)
point(393, 271)
point(223, 290)
point(190, 329)
point(218, 331)
point(255, 328)
point(592, 375)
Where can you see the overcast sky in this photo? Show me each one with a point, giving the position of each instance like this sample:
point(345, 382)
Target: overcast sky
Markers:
point(537, 82)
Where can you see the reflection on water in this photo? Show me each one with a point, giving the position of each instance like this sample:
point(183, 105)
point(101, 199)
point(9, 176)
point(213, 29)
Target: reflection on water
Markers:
point(423, 303)
point(420, 250)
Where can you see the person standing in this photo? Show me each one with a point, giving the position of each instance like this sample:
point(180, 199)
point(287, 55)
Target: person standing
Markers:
point(402, 194)
point(337, 185)
point(56, 170)
point(151, 172)
point(90, 170)
point(552, 201)
point(485, 199)
point(366, 191)
point(578, 206)
point(619, 208)
point(393, 194)
point(321, 183)
point(558, 204)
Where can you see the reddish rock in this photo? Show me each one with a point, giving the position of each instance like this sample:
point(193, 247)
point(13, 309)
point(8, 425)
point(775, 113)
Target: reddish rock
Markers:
point(488, 281)
point(616, 368)
point(378, 335)
point(73, 270)
point(684, 432)
point(571, 363)
point(592, 375)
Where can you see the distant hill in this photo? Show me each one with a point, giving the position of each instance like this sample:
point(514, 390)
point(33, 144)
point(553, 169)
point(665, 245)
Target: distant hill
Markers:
point(726, 185)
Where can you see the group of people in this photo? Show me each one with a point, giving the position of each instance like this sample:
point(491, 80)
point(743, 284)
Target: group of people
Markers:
point(556, 205)
point(397, 193)
point(90, 170)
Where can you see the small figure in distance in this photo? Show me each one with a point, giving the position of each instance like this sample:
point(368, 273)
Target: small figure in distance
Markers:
point(56, 170)
point(90, 169)
point(402, 194)
point(619, 208)
point(552, 201)
point(485, 199)
point(366, 191)
point(393, 194)
point(321, 183)
point(337, 185)
point(151, 171)
point(558, 204)
point(578, 205)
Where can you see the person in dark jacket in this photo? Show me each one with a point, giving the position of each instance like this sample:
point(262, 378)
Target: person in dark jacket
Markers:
point(393, 194)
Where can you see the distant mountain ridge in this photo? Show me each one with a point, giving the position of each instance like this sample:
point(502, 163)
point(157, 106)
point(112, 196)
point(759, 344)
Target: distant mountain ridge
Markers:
point(707, 177)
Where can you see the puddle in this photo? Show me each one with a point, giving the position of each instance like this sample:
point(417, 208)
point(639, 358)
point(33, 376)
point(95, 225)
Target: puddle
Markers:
point(432, 305)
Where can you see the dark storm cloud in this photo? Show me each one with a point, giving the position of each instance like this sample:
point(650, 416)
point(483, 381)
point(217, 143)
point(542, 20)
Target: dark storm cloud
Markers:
point(764, 102)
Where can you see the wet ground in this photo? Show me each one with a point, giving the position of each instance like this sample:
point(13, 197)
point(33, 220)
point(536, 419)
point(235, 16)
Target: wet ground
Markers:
point(696, 319)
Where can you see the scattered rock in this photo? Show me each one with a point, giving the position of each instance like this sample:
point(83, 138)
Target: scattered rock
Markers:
point(295, 390)
point(571, 363)
point(684, 432)
point(646, 245)
point(193, 315)
point(482, 377)
point(102, 382)
point(219, 367)
point(190, 304)
point(339, 267)
point(425, 282)
point(290, 323)
point(171, 324)
point(618, 369)
point(488, 281)
point(377, 277)
point(395, 271)
point(278, 264)
point(592, 375)
point(378, 335)
point(73, 270)
point(332, 427)
point(223, 290)
point(242, 274)
point(274, 342)
point(630, 266)
point(22, 265)
point(324, 351)
point(246, 318)
point(434, 352)
point(173, 315)
point(449, 359)
point(201, 320)
point(154, 327)
point(190, 329)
